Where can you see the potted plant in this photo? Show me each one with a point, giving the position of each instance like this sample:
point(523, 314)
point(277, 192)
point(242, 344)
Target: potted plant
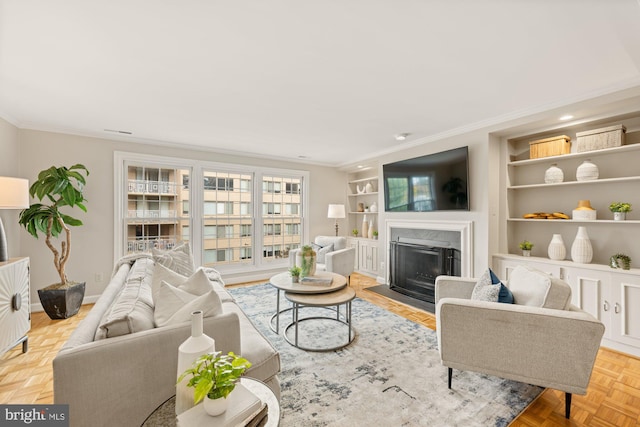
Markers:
point(355, 232)
point(60, 187)
point(526, 247)
point(295, 273)
point(620, 261)
point(375, 235)
point(306, 260)
point(620, 210)
point(213, 377)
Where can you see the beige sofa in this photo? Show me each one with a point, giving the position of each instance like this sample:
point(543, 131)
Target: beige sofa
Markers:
point(119, 381)
point(540, 339)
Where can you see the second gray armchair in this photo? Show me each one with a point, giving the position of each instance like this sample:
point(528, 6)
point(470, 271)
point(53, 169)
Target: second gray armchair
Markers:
point(334, 255)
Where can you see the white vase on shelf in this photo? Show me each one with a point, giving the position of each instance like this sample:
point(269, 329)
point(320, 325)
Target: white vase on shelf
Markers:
point(556, 250)
point(368, 188)
point(365, 227)
point(581, 250)
point(553, 175)
point(192, 348)
point(370, 230)
point(587, 171)
point(373, 207)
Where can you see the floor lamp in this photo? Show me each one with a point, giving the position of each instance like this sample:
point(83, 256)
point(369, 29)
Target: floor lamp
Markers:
point(335, 212)
point(14, 194)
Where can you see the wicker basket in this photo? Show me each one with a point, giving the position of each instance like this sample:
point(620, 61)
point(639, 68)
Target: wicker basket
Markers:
point(597, 139)
point(554, 146)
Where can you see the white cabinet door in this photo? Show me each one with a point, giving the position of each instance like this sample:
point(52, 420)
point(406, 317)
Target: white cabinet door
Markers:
point(589, 291)
point(353, 243)
point(624, 307)
point(15, 314)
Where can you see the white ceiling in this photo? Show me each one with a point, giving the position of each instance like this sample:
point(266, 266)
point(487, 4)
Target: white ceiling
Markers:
point(330, 80)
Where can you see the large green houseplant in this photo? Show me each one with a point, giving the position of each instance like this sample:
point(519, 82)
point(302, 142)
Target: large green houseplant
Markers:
point(59, 187)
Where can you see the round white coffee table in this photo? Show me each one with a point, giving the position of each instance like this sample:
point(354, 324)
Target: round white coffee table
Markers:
point(324, 301)
point(283, 282)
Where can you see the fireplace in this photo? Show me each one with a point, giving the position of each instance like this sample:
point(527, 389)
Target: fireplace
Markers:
point(414, 268)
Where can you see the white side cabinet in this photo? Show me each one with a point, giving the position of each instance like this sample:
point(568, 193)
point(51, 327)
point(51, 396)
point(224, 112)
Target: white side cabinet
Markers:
point(610, 295)
point(367, 259)
point(15, 312)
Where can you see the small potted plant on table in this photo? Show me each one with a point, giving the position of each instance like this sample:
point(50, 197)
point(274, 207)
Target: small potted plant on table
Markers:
point(526, 247)
point(214, 376)
point(620, 210)
point(295, 273)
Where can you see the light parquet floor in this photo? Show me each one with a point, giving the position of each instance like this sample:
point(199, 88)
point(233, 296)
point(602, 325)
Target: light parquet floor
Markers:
point(613, 397)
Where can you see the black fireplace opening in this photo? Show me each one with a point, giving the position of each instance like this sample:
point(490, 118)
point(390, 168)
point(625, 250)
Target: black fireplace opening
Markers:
point(414, 269)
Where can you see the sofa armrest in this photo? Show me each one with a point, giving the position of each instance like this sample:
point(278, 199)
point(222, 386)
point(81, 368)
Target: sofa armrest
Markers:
point(120, 381)
point(454, 287)
point(341, 261)
point(545, 347)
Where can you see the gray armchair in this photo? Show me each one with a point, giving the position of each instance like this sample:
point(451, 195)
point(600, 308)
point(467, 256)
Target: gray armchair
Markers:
point(548, 347)
point(336, 257)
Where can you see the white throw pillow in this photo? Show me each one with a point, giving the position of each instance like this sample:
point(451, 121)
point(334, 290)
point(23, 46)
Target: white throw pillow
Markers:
point(162, 273)
point(529, 286)
point(485, 290)
point(178, 259)
point(175, 305)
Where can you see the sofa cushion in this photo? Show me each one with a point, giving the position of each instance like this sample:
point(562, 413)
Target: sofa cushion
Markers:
point(505, 296)
point(178, 259)
point(538, 289)
point(175, 305)
point(162, 273)
point(484, 290)
point(265, 360)
point(132, 309)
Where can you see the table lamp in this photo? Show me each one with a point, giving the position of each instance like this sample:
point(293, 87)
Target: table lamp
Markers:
point(335, 212)
point(14, 194)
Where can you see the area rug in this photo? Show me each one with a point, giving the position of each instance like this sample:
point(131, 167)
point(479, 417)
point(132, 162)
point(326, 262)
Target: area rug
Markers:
point(389, 375)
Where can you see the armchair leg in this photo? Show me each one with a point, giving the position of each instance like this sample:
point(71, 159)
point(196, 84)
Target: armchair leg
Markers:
point(567, 405)
point(450, 375)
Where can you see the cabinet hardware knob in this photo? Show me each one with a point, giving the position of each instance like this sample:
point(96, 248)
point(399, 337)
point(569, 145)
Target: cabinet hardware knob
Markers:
point(616, 308)
point(606, 306)
point(16, 302)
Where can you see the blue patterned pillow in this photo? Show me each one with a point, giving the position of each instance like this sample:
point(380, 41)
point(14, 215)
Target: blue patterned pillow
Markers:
point(505, 294)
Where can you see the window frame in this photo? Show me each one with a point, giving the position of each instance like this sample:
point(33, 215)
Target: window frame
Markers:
point(197, 169)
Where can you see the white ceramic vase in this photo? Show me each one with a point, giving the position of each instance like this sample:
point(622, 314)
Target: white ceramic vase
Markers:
point(553, 175)
point(587, 171)
point(192, 348)
point(370, 230)
point(556, 250)
point(215, 407)
point(365, 227)
point(581, 250)
point(374, 207)
point(368, 188)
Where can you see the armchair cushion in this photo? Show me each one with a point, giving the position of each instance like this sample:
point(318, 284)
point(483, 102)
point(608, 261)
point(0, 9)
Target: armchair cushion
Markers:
point(484, 290)
point(537, 289)
point(322, 251)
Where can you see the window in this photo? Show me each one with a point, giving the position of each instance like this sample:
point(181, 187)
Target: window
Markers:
point(161, 199)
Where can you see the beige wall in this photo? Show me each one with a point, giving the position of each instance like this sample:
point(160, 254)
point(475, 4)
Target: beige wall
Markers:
point(9, 166)
point(92, 251)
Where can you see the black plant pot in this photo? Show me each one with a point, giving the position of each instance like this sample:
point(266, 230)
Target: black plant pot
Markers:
point(62, 303)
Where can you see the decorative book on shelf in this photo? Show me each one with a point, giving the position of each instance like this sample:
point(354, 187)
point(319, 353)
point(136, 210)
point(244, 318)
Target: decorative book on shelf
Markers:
point(316, 280)
point(243, 407)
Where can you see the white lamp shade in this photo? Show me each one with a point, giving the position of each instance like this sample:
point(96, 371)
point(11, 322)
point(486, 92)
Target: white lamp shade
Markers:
point(336, 211)
point(14, 193)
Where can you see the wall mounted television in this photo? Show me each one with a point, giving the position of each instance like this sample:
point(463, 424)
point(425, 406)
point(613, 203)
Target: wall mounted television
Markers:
point(435, 182)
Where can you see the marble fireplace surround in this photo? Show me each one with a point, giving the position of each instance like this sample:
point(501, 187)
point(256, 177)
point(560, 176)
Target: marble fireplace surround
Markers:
point(454, 234)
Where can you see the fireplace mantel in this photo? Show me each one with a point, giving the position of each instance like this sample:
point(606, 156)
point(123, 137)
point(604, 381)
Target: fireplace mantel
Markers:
point(465, 228)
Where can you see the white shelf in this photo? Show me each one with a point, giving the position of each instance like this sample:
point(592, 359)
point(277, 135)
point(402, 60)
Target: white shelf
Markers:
point(576, 221)
point(361, 180)
point(374, 193)
point(590, 182)
point(584, 154)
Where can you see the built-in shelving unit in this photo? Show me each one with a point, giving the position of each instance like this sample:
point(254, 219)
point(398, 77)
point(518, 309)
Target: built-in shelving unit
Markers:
point(619, 176)
point(362, 188)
